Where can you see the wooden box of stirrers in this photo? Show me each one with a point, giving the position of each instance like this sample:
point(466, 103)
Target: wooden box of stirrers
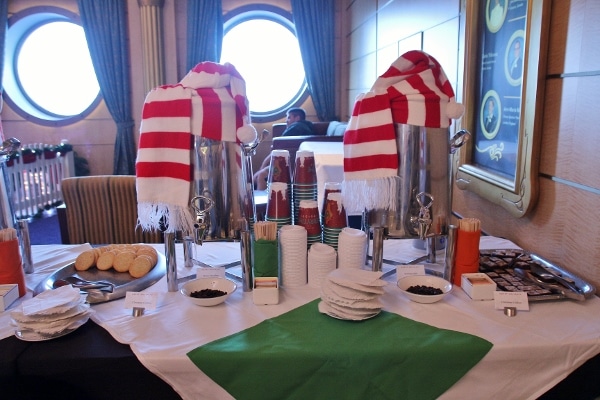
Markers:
point(8, 294)
point(265, 291)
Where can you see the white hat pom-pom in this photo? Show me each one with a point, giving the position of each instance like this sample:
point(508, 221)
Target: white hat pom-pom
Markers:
point(246, 134)
point(454, 110)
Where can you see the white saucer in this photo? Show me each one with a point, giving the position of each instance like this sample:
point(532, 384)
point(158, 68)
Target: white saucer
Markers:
point(33, 336)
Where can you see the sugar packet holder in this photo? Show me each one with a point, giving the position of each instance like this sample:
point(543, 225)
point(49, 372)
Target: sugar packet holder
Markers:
point(265, 290)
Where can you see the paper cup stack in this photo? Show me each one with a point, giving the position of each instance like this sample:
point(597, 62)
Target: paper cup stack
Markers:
point(352, 248)
point(309, 218)
point(352, 294)
point(50, 314)
point(279, 182)
point(292, 246)
point(328, 187)
point(279, 204)
point(321, 261)
point(335, 219)
point(305, 180)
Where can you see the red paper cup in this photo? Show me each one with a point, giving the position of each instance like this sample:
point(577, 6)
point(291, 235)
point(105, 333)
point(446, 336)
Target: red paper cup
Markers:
point(329, 187)
point(308, 217)
point(278, 204)
point(279, 168)
point(305, 171)
point(335, 214)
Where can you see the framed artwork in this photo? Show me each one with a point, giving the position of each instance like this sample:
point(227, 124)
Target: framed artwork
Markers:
point(504, 74)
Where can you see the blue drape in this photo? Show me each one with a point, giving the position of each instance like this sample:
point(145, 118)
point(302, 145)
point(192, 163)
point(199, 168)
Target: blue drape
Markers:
point(315, 21)
point(107, 41)
point(204, 31)
point(3, 27)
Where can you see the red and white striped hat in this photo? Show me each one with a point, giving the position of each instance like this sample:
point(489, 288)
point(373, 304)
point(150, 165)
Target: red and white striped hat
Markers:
point(413, 91)
point(210, 101)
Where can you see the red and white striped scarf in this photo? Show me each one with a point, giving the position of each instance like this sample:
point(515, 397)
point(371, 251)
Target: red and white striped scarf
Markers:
point(210, 101)
point(414, 91)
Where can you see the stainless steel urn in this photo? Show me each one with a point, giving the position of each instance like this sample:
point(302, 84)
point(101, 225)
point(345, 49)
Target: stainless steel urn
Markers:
point(423, 192)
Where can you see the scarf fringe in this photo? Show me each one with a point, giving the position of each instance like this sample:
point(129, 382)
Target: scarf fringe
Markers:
point(155, 216)
point(360, 195)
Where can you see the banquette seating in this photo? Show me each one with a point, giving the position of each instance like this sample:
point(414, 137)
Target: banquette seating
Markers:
point(332, 131)
point(101, 209)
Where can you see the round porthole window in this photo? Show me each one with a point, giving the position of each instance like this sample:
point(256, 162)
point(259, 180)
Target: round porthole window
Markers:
point(48, 75)
point(260, 41)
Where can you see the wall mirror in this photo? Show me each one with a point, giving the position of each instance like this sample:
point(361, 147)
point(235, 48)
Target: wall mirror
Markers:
point(504, 74)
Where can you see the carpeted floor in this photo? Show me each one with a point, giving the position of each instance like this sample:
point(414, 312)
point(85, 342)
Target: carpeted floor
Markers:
point(44, 230)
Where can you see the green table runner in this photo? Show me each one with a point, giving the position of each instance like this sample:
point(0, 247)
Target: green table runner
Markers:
point(304, 354)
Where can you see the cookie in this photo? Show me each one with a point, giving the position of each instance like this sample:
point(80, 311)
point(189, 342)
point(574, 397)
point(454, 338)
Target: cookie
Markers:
point(123, 261)
point(142, 264)
point(85, 260)
point(105, 261)
point(149, 251)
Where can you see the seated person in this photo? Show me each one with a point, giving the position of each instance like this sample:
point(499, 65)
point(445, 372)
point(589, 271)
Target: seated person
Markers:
point(297, 125)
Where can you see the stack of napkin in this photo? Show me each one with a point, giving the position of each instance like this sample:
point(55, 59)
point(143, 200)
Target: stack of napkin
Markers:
point(351, 294)
point(51, 314)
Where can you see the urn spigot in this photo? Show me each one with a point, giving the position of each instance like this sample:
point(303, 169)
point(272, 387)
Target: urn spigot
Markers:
point(422, 222)
point(201, 223)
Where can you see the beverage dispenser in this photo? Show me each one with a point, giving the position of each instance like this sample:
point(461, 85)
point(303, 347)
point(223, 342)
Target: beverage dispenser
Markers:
point(397, 151)
point(194, 174)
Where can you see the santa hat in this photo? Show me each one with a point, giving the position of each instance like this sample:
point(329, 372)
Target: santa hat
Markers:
point(413, 91)
point(210, 101)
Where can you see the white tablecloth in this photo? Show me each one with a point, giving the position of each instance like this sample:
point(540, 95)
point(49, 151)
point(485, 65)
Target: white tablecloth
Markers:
point(329, 163)
point(532, 351)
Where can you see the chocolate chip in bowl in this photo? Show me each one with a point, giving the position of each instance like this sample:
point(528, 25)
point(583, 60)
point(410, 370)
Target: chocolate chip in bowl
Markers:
point(208, 292)
point(424, 288)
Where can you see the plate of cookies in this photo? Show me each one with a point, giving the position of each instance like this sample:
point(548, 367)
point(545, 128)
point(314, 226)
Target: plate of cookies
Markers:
point(109, 272)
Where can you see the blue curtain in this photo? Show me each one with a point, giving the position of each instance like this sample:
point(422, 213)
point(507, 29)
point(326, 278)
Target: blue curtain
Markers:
point(107, 41)
point(204, 31)
point(315, 22)
point(3, 26)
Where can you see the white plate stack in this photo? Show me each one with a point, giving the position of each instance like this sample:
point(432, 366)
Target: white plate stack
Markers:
point(51, 314)
point(292, 246)
point(321, 261)
point(352, 294)
point(352, 248)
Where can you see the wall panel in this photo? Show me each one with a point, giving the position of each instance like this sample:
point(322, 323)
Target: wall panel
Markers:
point(440, 42)
point(398, 19)
point(574, 37)
point(361, 11)
point(570, 142)
point(363, 39)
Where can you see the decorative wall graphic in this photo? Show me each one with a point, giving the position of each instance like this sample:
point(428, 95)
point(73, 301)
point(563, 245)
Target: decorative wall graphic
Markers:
point(505, 56)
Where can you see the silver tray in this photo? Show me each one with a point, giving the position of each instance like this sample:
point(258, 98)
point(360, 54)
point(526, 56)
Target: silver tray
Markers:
point(520, 258)
point(122, 280)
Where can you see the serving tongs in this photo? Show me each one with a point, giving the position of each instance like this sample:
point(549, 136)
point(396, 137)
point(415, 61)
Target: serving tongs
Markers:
point(84, 285)
point(547, 274)
point(540, 276)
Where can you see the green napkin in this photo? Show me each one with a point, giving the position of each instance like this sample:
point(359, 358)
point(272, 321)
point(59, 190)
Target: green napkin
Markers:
point(266, 258)
point(304, 354)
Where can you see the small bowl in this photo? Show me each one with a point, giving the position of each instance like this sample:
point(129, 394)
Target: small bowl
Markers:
point(424, 280)
point(197, 285)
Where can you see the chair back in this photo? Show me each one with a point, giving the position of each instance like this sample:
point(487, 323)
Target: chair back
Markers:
point(102, 209)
